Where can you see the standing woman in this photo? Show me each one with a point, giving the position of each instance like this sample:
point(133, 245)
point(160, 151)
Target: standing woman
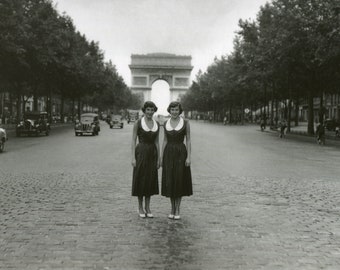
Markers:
point(176, 173)
point(145, 159)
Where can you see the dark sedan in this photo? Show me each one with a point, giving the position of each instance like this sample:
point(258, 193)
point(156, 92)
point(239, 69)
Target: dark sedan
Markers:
point(34, 123)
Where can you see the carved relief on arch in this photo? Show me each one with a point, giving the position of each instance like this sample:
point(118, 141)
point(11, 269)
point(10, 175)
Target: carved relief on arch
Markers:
point(140, 80)
point(167, 78)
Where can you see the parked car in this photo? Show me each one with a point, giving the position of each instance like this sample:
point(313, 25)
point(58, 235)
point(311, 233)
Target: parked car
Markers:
point(116, 121)
point(331, 124)
point(34, 123)
point(88, 124)
point(3, 139)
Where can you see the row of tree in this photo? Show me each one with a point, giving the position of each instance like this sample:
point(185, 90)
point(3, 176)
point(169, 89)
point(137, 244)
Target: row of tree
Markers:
point(42, 54)
point(290, 53)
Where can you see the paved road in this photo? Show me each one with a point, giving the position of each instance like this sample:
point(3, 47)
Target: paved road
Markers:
point(259, 202)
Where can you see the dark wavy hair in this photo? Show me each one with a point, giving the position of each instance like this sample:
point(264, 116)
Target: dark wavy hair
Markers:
point(174, 104)
point(149, 104)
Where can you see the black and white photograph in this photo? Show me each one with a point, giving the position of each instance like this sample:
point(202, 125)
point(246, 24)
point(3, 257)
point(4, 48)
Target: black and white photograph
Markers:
point(169, 134)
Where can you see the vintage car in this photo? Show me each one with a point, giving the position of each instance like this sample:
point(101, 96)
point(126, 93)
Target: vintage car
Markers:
point(3, 139)
point(34, 123)
point(116, 121)
point(88, 124)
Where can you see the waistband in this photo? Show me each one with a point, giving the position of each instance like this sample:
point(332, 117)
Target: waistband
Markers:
point(146, 143)
point(175, 142)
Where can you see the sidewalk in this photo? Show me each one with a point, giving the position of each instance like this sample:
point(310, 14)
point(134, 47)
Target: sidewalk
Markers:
point(302, 129)
point(300, 132)
point(10, 128)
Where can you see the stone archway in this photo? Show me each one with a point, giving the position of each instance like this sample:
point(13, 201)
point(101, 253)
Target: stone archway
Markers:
point(148, 68)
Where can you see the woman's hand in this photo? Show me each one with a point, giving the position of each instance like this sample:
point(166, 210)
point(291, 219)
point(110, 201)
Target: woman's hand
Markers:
point(133, 162)
point(188, 162)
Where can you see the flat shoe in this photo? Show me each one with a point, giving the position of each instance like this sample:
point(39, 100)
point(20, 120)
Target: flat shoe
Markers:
point(171, 216)
point(149, 215)
point(142, 215)
point(177, 217)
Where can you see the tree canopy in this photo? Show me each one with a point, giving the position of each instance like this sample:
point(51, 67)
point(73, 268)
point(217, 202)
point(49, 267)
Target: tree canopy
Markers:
point(42, 53)
point(289, 52)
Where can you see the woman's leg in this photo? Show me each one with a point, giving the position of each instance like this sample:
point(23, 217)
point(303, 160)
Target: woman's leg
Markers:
point(177, 205)
point(172, 213)
point(140, 205)
point(147, 204)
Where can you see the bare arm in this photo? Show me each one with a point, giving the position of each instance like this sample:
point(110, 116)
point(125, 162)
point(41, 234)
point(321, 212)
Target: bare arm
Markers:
point(133, 144)
point(158, 153)
point(165, 141)
point(188, 143)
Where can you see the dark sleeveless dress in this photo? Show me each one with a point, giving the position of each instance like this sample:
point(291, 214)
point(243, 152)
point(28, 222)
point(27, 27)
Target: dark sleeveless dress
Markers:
point(176, 177)
point(145, 174)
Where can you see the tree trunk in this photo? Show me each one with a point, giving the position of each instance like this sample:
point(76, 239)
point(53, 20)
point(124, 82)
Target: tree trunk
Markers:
point(289, 114)
point(35, 102)
point(321, 109)
point(310, 129)
point(272, 112)
point(49, 105)
point(79, 109)
point(23, 105)
point(297, 112)
point(19, 116)
point(276, 112)
point(265, 102)
point(11, 104)
point(242, 114)
point(73, 104)
point(62, 108)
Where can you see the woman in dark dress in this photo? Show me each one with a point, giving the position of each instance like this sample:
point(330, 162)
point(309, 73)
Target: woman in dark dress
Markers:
point(176, 173)
point(145, 159)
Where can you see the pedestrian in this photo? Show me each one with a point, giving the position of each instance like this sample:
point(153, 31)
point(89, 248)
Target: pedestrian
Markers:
point(320, 133)
point(263, 124)
point(145, 159)
point(283, 126)
point(176, 172)
point(225, 120)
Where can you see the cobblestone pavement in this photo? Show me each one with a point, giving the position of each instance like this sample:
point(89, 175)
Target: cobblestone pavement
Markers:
point(259, 202)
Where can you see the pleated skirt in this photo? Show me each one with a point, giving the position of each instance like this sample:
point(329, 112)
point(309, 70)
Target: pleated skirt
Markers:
point(176, 177)
point(145, 174)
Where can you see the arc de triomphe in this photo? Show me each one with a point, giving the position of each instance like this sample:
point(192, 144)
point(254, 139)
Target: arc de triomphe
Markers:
point(148, 68)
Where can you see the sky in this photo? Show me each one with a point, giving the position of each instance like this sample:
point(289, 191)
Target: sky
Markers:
point(204, 29)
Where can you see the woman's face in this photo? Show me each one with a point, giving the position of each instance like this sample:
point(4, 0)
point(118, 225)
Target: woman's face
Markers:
point(174, 111)
point(149, 111)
